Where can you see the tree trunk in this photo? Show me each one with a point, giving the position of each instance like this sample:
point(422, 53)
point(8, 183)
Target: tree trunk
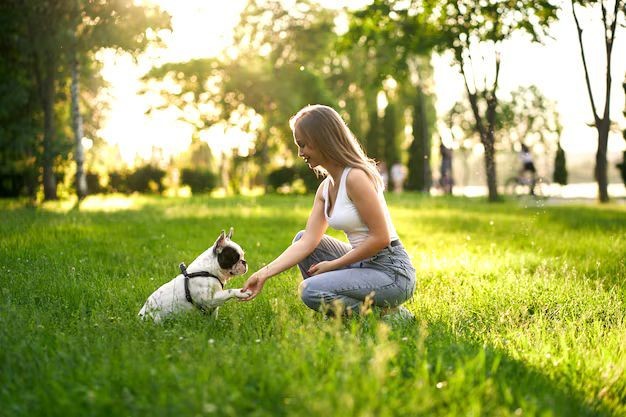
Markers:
point(77, 123)
point(420, 174)
point(49, 133)
point(601, 161)
point(487, 138)
point(602, 123)
point(490, 165)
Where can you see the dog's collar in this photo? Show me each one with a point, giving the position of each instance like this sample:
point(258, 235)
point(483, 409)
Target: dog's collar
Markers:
point(183, 270)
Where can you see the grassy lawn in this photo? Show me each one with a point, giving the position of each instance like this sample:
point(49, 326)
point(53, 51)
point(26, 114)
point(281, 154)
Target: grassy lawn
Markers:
point(520, 312)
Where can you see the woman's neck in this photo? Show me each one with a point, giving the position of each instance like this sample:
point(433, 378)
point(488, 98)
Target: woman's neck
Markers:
point(335, 171)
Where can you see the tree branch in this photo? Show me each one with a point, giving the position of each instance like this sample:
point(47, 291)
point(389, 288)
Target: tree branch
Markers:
point(582, 53)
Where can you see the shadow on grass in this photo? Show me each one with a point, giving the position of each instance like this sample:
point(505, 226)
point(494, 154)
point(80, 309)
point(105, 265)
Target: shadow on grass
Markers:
point(523, 388)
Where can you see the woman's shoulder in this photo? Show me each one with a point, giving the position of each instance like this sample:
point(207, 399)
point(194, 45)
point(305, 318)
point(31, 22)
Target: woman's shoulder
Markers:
point(357, 179)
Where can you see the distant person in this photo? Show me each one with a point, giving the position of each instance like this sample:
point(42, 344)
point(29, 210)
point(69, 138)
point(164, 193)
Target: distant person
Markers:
point(446, 182)
point(528, 170)
point(384, 173)
point(373, 268)
point(398, 175)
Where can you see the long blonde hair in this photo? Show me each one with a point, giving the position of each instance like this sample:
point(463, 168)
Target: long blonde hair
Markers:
point(322, 127)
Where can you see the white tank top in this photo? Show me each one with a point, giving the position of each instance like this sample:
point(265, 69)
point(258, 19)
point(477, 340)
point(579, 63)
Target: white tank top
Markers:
point(345, 215)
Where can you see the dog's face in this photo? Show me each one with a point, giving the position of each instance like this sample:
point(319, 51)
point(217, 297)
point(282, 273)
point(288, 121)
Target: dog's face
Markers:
point(229, 254)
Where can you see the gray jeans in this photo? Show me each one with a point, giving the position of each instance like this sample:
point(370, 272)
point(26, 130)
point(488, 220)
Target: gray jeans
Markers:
point(387, 279)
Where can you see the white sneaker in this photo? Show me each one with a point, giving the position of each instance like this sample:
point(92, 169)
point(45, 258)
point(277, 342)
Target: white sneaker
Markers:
point(400, 315)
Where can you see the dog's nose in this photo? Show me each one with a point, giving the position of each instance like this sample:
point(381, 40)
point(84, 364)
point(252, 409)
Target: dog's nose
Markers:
point(243, 261)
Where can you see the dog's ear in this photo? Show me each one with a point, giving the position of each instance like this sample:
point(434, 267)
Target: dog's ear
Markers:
point(230, 234)
point(219, 243)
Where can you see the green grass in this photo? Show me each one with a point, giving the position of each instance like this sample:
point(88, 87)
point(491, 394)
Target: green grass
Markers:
point(520, 312)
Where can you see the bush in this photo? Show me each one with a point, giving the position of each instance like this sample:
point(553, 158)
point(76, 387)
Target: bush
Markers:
point(199, 180)
point(284, 176)
point(146, 179)
point(18, 184)
point(622, 168)
point(117, 182)
point(297, 178)
point(93, 183)
point(308, 177)
point(560, 167)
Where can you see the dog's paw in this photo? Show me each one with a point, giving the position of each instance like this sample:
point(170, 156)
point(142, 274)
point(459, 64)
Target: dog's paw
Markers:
point(242, 294)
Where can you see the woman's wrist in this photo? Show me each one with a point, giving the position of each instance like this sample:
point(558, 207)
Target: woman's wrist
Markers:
point(335, 264)
point(265, 273)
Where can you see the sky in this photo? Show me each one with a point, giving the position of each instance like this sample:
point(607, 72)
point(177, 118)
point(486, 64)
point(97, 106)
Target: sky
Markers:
point(203, 28)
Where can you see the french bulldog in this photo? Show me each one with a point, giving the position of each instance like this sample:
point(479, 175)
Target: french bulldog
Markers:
point(201, 285)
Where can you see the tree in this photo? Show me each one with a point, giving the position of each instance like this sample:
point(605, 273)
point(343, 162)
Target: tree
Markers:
point(18, 110)
point(622, 165)
point(528, 117)
point(111, 24)
point(420, 172)
point(47, 33)
point(391, 130)
point(475, 31)
point(560, 167)
point(279, 68)
point(602, 121)
point(403, 39)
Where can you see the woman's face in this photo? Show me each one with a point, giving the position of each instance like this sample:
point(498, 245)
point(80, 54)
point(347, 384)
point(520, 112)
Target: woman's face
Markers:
point(307, 152)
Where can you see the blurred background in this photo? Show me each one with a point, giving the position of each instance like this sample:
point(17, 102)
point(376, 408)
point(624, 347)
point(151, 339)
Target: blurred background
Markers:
point(186, 97)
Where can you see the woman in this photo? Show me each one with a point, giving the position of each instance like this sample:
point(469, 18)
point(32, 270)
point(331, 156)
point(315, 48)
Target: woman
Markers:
point(374, 267)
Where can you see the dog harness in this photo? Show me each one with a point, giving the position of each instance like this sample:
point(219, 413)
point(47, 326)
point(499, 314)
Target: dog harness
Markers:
point(183, 270)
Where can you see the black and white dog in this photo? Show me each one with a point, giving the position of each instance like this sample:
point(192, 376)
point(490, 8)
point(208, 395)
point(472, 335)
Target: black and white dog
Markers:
point(201, 285)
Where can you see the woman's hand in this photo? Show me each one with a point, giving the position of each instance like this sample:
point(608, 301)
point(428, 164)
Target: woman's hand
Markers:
point(254, 284)
point(321, 267)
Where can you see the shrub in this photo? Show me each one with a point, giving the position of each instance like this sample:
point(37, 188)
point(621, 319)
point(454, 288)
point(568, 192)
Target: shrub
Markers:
point(283, 176)
point(308, 177)
point(622, 168)
point(298, 178)
point(18, 184)
point(93, 183)
point(199, 180)
point(560, 168)
point(146, 179)
point(117, 182)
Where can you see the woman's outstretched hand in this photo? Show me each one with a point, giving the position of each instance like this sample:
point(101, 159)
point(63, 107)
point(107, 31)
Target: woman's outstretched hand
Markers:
point(254, 284)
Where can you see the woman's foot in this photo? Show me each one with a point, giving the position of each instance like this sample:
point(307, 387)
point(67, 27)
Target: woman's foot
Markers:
point(397, 314)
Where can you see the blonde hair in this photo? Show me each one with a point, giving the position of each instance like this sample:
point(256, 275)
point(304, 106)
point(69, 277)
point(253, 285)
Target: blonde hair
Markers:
point(322, 127)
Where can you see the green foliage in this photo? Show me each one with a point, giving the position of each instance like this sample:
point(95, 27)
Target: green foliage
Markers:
point(18, 183)
point(391, 131)
point(280, 177)
point(560, 167)
point(309, 179)
point(118, 182)
point(145, 179)
point(199, 180)
point(520, 312)
point(419, 175)
point(526, 117)
point(622, 168)
point(93, 183)
point(298, 177)
point(40, 42)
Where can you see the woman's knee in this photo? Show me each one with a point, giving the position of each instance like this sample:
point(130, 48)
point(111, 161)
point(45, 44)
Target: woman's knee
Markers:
point(298, 236)
point(309, 296)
